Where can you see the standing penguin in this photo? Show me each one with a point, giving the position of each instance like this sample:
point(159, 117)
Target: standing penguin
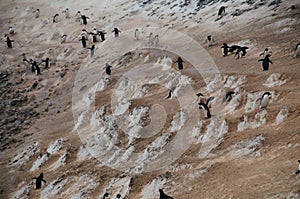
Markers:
point(241, 52)
point(221, 11)
point(265, 53)
point(47, 62)
point(63, 39)
point(92, 50)
point(150, 39)
point(105, 195)
point(54, 18)
point(9, 42)
point(84, 19)
point(180, 63)
point(225, 48)
point(116, 31)
point(83, 41)
point(78, 16)
point(38, 182)
point(118, 196)
point(228, 96)
point(137, 34)
point(297, 172)
point(108, 69)
point(209, 40)
point(37, 13)
point(11, 30)
point(297, 50)
point(67, 13)
point(102, 35)
point(264, 101)
point(156, 40)
point(265, 62)
point(162, 195)
point(205, 106)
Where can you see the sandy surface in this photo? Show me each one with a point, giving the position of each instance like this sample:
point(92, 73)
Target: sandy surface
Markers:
point(241, 152)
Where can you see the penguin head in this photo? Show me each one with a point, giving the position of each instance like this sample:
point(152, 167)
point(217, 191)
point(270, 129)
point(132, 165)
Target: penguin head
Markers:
point(266, 49)
point(267, 95)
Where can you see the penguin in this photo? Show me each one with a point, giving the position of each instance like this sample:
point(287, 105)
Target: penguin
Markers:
point(9, 42)
point(137, 34)
point(297, 172)
point(84, 19)
point(94, 31)
point(116, 31)
point(180, 63)
point(209, 40)
point(265, 62)
point(47, 62)
point(78, 16)
point(162, 195)
point(84, 32)
point(171, 91)
point(105, 195)
point(67, 13)
point(150, 39)
point(156, 40)
point(37, 13)
point(39, 180)
point(205, 106)
point(92, 50)
point(228, 96)
point(35, 68)
point(264, 101)
point(11, 30)
point(63, 39)
point(265, 53)
point(199, 95)
point(241, 52)
point(108, 69)
point(233, 48)
point(118, 196)
point(297, 50)
point(221, 11)
point(54, 18)
point(102, 35)
point(93, 37)
point(83, 41)
point(225, 48)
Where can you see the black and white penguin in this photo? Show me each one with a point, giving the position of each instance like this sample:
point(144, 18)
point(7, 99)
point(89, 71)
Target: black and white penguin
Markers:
point(265, 53)
point(297, 172)
point(180, 63)
point(241, 52)
point(297, 50)
point(67, 13)
point(162, 195)
point(84, 33)
point(37, 13)
point(209, 40)
point(171, 91)
point(156, 40)
point(105, 195)
point(221, 11)
point(228, 96)
point(63, 39)
point(92, 50)
point(151, 39)
point(205, 106)
point(9, 42)
point(39, 180)
point(118, 196)
point(47, 62)
point(116, 31)
point(84, 19)
point(265, 62)
point(264, 101)
point(78, 16)
point(55, 18)
point(11, 30)
point(137, 34)
point(225, 49)
point(83, 41)
point(108, 69)
point(102, 35)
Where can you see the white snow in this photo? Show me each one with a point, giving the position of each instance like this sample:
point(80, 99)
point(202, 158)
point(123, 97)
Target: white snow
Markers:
point(258, 120)
point(23, 192)
point(25, 155)
point(275, 79)
point(42, 159)
point(179, 120)
point(54, 188)
point(150, 190)
point(247, 147)
point(283, 114)
point(55, 146)
point(60, 162)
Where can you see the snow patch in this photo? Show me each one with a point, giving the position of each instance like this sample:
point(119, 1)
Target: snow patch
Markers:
point(258, 120)
point(42, 159)
point(56, 146)
point(150, 190)
point(54, 188)
point(275, 79)
point(247, 147)
point(25, 155)
point(283, 114)
point(179, 120)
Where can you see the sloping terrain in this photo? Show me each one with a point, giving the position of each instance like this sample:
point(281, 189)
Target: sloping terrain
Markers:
point(91, 133)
